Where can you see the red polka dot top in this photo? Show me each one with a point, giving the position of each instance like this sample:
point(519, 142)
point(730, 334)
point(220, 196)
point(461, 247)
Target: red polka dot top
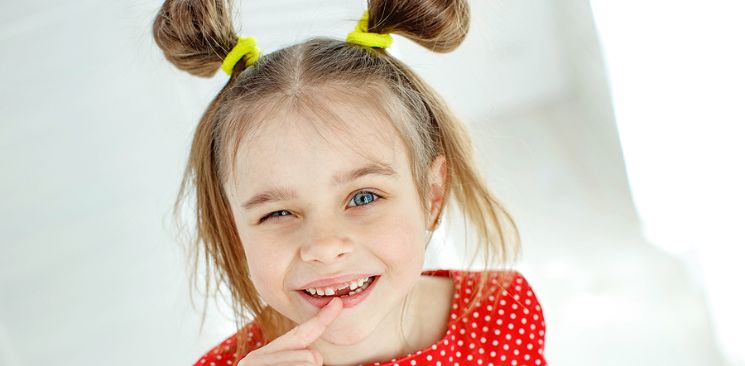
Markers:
point(506, 328)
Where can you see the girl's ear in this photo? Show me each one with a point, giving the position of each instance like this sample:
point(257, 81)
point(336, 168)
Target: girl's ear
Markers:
point(438, 173)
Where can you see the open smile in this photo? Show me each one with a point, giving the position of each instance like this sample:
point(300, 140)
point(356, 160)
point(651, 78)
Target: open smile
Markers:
point(350, 295)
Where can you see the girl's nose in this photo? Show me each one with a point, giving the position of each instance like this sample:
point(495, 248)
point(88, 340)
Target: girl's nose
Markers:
point(326, 248)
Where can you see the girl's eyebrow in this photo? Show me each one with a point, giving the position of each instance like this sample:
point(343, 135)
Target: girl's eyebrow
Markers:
point(281, 194)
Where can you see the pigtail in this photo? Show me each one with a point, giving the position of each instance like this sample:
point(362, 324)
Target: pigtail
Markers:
point(439, 25)
point(195, 35)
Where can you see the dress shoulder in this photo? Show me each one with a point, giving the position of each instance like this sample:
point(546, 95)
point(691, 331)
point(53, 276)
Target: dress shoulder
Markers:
point(506, 322)
point(224, 353)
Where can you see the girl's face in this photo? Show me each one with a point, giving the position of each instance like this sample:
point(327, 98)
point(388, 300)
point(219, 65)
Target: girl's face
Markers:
point(315, 219)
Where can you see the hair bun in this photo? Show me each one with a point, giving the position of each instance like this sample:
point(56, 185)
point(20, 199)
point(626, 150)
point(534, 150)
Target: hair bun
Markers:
point(440, 25)
point(195, 35)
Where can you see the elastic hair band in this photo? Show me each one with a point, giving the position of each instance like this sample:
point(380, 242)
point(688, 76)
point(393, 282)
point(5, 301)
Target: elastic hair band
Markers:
point(246, 46)
point(362, 37)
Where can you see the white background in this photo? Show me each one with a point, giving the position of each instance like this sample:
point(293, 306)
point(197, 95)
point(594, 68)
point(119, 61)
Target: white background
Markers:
point(95, 127)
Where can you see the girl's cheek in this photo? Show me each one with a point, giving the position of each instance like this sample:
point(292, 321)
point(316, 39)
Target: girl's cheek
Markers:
point(400, 239)
point(267, 273)
point(267, 258)
point(275, 252)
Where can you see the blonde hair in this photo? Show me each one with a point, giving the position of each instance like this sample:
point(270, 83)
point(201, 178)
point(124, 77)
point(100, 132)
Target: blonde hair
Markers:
point(197, 35)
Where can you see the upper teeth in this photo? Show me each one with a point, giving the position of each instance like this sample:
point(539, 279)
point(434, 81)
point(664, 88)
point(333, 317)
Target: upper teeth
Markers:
point(328, 291)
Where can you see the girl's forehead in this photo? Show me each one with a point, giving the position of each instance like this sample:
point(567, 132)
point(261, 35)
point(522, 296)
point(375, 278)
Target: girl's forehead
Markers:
point(299, 143)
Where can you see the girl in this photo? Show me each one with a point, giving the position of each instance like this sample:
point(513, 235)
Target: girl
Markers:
point(320, 172)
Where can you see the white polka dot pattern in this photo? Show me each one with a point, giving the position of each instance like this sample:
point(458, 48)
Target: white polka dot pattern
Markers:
point(505, 327)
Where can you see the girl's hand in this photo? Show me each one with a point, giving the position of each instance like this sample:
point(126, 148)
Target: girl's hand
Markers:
point(291, 348)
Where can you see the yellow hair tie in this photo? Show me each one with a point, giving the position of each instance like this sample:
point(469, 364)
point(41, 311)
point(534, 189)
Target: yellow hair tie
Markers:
point(361, 37)
point(246, 46)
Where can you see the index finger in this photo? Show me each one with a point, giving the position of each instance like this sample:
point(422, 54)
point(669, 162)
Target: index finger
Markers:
point(306, 333)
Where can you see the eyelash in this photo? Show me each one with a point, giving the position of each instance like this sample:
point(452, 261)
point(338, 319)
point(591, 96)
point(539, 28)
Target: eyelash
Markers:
point(269, 216)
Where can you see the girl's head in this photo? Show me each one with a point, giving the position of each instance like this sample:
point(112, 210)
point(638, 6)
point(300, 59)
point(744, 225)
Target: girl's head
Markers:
point(326, 158)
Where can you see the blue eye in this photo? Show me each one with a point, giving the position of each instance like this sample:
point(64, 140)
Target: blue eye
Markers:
point(368, 197)
point(361, 198)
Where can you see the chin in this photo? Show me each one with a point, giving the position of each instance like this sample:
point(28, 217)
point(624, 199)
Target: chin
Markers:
point(353, 334)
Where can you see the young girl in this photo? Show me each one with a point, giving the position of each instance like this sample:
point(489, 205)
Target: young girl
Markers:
point(320, 172)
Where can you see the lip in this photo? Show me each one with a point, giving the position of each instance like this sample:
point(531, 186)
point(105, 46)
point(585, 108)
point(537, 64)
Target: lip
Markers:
point(334, 281)
point(347, 301)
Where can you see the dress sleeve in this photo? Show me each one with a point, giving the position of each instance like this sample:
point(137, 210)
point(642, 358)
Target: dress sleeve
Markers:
point(519, 309)
point(220, 355)
point(224, 353)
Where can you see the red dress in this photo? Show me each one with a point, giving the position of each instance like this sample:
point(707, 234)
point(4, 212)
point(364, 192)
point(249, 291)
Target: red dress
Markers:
point(505, 330)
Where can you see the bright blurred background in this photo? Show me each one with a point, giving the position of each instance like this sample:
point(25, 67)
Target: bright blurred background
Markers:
point(612, 131)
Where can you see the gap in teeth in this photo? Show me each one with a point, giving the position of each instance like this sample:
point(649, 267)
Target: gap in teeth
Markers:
point(356, 286)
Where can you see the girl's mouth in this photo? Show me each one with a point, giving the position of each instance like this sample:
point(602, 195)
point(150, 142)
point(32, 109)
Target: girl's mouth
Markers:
point(350, 295)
